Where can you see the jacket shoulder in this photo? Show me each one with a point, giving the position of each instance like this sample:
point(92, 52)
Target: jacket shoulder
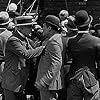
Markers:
point(13, 38)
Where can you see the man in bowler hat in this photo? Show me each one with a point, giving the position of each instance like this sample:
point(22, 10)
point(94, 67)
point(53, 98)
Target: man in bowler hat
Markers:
point(85, 52)
point(72, 31)
point(17, 50)
point(49, 77)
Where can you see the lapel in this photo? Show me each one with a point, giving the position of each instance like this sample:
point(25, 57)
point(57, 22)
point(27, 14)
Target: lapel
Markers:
point(24, 41)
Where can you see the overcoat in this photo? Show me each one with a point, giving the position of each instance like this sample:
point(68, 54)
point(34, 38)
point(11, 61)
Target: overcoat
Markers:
point(15, 71)
point(85, 51)
point(49, 68)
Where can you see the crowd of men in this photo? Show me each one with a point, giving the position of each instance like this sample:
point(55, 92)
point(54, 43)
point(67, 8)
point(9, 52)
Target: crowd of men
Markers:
point(57, 61)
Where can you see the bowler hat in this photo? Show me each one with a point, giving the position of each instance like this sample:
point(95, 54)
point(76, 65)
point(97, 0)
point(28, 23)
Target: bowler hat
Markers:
point(4, 18)
point(82, 18)
point(70, 25)
point(24, 20)
point(53, 20)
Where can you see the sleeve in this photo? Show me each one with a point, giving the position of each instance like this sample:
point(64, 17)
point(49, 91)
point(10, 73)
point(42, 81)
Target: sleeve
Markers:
point(55, 53)
point(68, 47)
point(98, 60)
point(17, 48)
point(1, 51)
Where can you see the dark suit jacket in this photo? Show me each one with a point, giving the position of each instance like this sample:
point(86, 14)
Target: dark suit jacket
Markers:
point(15, 70)
point(85, 51)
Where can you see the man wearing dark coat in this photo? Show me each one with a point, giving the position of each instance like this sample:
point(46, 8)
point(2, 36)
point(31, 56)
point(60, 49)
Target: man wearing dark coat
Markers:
point(17, 50)
point(85, 69)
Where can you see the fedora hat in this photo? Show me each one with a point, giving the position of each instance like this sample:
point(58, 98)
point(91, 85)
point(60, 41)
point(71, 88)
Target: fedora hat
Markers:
point(70, 25)
point(53, 20)
point(4, 18)
point(82, 18)
point(24, 20)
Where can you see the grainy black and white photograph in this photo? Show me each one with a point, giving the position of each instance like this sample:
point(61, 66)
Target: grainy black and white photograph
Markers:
point(49, 49)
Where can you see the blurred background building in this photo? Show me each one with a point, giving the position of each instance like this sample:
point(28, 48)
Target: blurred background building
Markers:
point(55, 6)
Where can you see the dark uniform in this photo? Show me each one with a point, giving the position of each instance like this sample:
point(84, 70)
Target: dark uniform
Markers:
point(85, 51)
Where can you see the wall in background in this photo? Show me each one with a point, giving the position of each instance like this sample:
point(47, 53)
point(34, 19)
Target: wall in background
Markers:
point(91, 6)
point(55, 6)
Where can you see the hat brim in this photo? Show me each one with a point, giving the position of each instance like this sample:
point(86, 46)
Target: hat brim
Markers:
point(52, 24)
point(26, 24)
point(7, 22)
point(90, 19)
point(73, 29)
